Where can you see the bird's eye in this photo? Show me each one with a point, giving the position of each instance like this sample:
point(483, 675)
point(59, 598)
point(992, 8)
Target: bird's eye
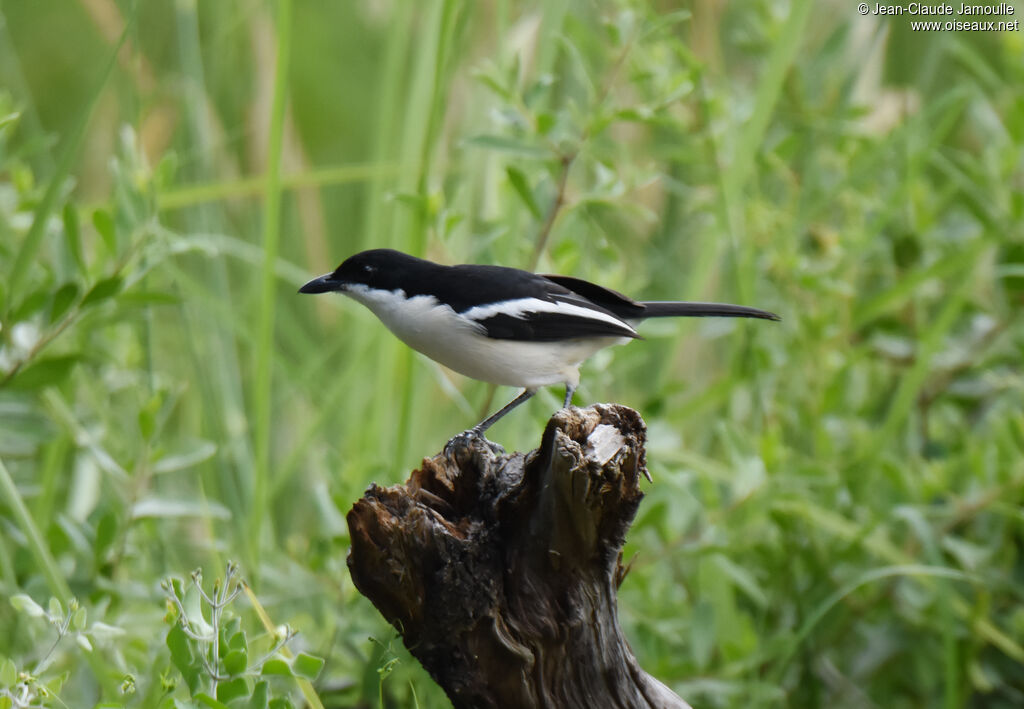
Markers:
point(368, 269)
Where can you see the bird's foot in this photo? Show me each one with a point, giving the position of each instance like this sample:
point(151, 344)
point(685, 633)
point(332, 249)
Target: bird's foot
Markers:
point(469, 439)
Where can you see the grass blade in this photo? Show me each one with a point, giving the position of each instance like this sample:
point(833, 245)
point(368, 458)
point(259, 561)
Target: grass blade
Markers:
point(271, 239)
point(38, 547)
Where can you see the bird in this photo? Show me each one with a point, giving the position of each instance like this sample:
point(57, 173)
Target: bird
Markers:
point(498, 324)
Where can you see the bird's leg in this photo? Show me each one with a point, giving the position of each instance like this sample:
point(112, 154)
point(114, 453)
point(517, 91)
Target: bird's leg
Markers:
point(569, 391)
point(493, 418)
point(478, 430)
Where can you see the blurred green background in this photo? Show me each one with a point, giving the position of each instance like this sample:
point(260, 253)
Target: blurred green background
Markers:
point(836, 517)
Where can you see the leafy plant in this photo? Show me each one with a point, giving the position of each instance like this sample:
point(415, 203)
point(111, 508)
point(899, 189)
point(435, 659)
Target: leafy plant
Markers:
point(214, 654)
point(41, 685)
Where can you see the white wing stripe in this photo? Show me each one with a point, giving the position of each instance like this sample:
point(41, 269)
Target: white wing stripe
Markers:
point(522, 307)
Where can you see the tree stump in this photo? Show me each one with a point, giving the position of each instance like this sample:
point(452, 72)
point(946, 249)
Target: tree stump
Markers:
point(501, 571)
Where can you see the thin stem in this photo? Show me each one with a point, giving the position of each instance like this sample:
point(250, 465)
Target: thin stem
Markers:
point(271, 238)
point(274, 650)
point(40, 551)
point(184, 621)
point(544, 234)
point(191, 195)
point(62, 630)
point(215, 644)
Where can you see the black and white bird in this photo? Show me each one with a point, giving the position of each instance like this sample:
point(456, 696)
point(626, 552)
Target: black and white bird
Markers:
point(501, 325)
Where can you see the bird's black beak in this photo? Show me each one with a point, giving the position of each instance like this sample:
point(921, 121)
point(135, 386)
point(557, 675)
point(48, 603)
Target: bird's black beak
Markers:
point(323, 284)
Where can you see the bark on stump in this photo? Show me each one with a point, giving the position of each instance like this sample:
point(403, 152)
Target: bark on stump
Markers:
point(501, 571)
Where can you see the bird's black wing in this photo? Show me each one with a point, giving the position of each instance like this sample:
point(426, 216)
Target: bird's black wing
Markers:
point(560, 318)
point(614, 302)
point(536, 309)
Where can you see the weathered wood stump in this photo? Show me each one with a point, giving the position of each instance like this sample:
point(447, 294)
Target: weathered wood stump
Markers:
point(501, 571)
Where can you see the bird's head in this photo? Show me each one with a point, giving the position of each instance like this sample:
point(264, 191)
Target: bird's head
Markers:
point(377, 269)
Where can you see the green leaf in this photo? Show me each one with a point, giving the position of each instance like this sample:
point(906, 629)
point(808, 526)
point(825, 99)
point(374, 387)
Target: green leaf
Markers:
point(104, 223)
point(158, 507)
point(743, 579)
point(62, 300)
point(260, 696)
point(281, 703)
point(73, 236)
point(702, 633)
point(415, 202)
point(180, 646)
point(147, 418)
point(24, 604)
point(544, 122)
point(55, 684)
point(6, 703)
point(45, 372)
point(229, 625)
point(209, 701)
point(665, 21)
point(79, 619)
point(100, 631)
point(307, 666)
point(23, 179)
point(106, 531)
point(8, 673)
point(506, 144)
point(276, 666)
point(142, 299)
point(232, 689)
point(235, 662)
point(30, 305)
point(104, 289)
point(193, 604)
point(237, 641)
point(9, 119)
point(199, 452)
point(522, 187)
point(972, 557)
point(54, 608)
point(488, 77)
point(538, 90)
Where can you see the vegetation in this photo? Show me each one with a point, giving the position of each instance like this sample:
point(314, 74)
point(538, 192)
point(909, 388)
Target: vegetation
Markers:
point(836, 514)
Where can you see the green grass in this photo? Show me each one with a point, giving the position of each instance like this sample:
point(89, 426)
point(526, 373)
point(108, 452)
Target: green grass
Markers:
point(835, 518)
point(262, 400)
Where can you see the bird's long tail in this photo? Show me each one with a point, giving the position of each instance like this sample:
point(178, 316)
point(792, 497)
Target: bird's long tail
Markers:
point(668, 309)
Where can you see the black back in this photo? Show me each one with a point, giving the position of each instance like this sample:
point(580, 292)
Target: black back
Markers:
point(468, 286)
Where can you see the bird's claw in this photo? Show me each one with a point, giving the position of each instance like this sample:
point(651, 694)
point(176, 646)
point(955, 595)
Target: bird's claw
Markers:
point(470, 438)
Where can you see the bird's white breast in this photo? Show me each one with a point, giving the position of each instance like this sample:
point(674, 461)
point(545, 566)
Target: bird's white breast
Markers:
point(458, 343)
